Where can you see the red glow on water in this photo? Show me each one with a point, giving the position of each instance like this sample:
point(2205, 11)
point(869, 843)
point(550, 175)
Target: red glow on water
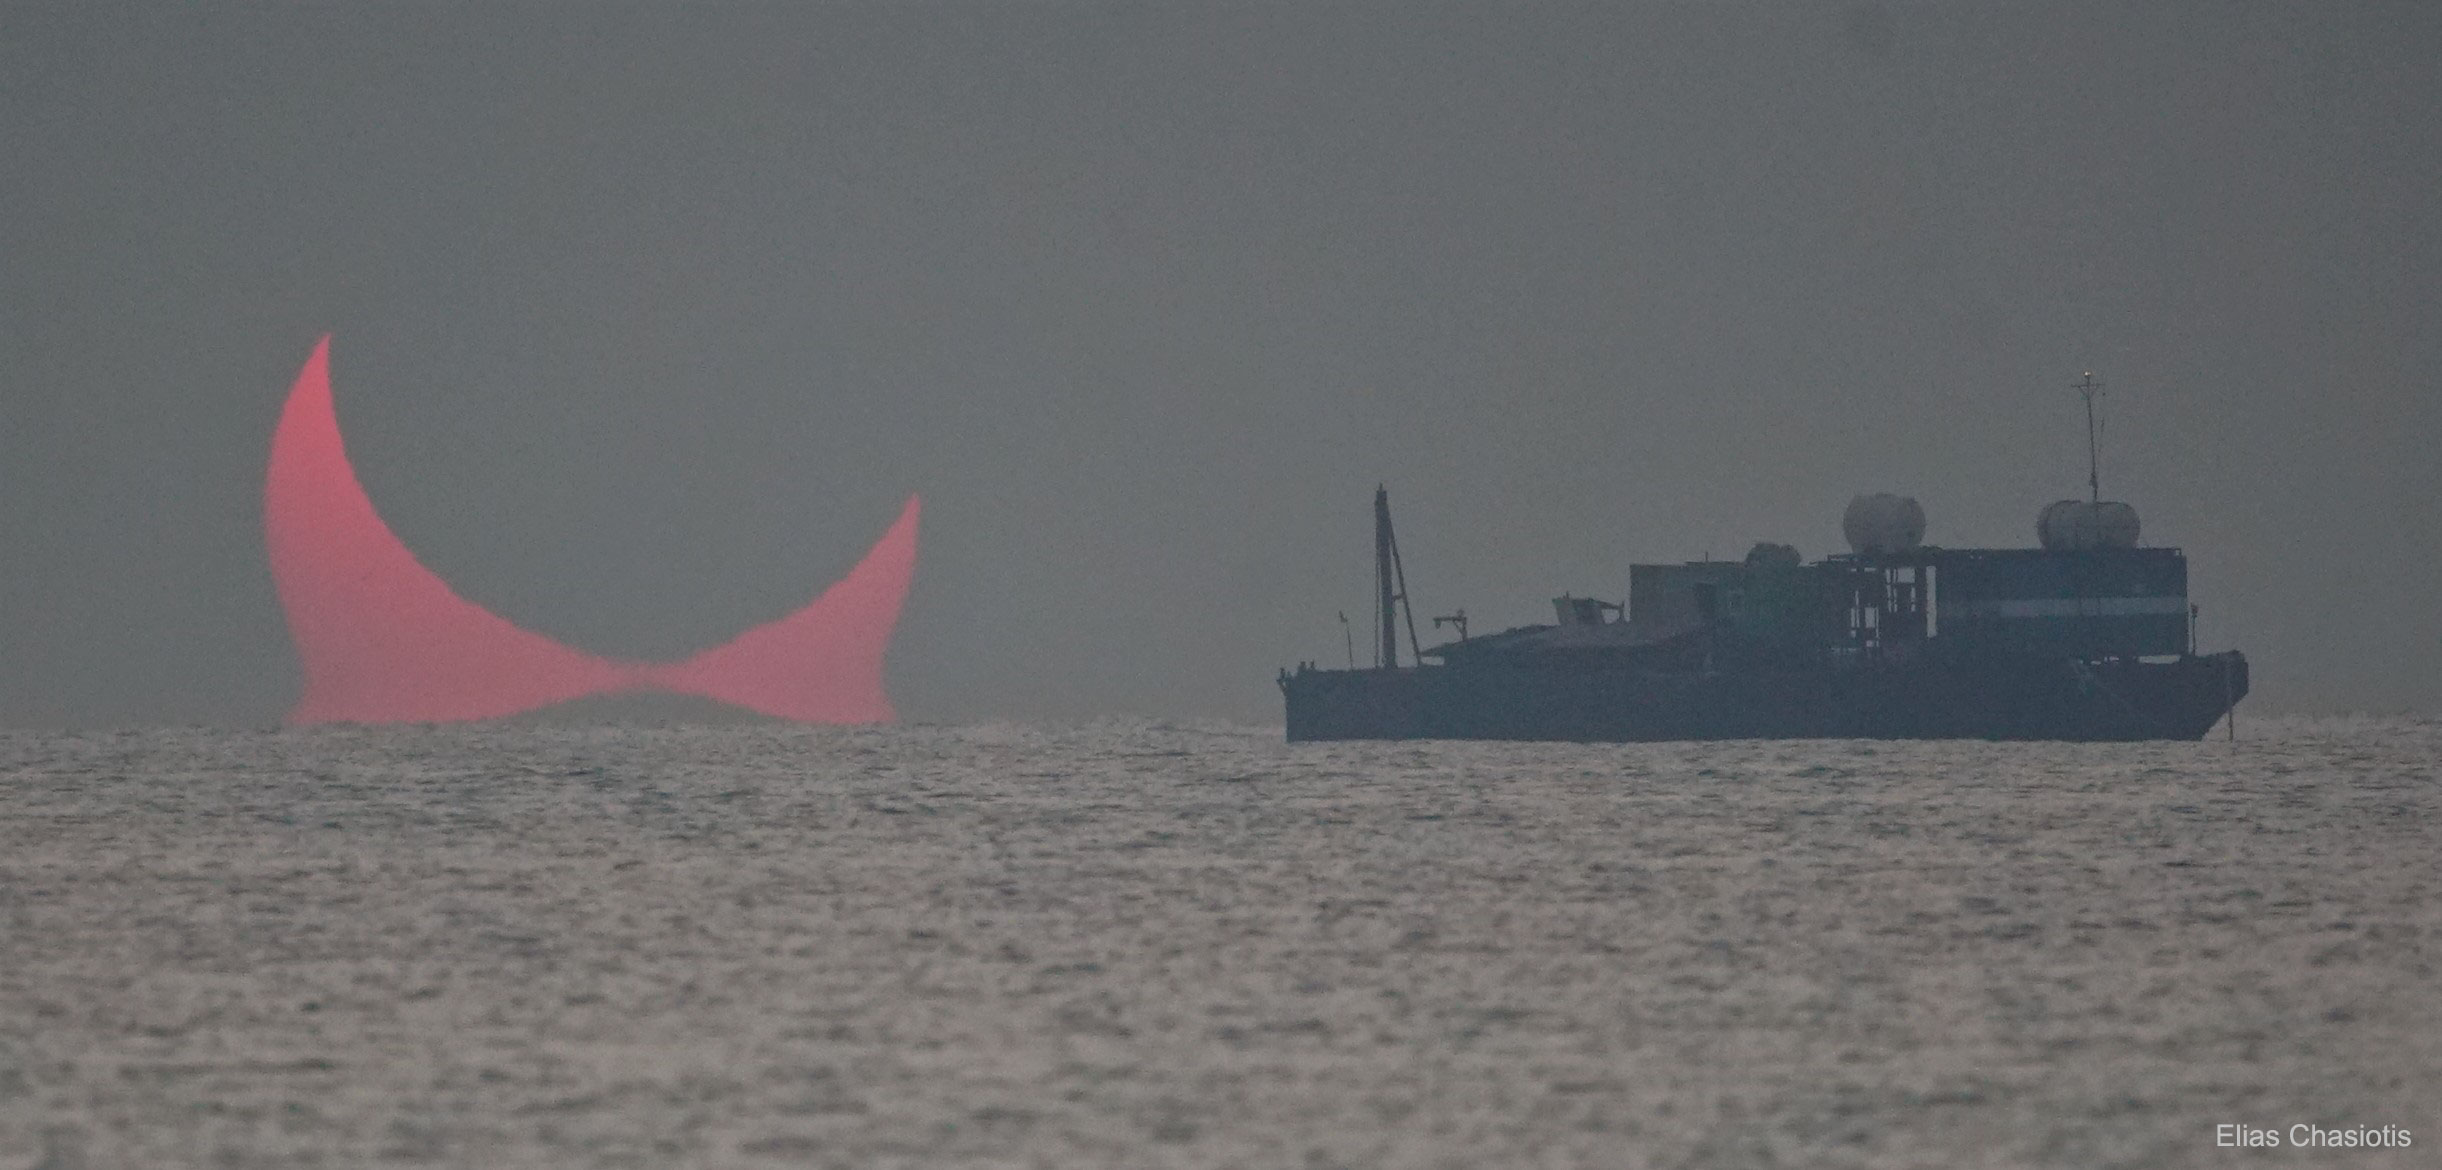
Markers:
point(384, 640)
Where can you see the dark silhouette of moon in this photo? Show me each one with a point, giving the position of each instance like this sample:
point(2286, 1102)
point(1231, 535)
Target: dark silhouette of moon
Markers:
point(382, 639)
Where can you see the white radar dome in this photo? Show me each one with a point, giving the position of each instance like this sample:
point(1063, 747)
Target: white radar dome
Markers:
point(1883, 523)
point(2076, 525)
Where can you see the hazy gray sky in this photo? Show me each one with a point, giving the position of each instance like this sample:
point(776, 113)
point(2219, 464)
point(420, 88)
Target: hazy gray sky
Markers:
point(647, 317)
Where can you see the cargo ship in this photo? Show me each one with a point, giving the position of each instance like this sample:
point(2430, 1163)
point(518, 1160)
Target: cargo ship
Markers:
point(2089, 636)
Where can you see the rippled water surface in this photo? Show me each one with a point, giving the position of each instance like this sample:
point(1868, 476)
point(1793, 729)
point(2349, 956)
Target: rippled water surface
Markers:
point(1132, 944)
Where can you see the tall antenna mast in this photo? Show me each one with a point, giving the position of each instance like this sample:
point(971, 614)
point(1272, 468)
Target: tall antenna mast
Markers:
point(2087, 389)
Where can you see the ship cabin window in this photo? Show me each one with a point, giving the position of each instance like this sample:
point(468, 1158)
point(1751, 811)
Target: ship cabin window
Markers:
point(1689, 596)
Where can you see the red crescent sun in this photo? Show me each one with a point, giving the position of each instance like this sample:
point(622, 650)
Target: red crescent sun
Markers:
point(384, 640)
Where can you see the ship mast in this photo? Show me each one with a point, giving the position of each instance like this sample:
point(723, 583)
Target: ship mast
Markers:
point(1390, 584)
point(1386, 649)
point(2087, 389)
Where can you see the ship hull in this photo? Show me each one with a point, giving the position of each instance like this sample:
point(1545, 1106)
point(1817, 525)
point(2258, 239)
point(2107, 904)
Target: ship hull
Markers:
point(2003, 698)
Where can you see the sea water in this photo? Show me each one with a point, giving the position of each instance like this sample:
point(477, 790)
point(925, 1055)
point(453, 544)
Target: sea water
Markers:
point(1146, 944)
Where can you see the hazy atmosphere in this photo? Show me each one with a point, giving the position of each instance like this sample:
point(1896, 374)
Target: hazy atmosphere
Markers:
point(646, 320)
